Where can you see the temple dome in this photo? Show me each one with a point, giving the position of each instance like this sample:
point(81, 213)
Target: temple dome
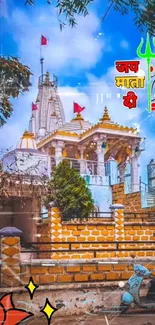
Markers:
point(77, 124)
point(27, 141)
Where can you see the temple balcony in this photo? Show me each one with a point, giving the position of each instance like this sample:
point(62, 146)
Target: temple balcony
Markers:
point(89, 170)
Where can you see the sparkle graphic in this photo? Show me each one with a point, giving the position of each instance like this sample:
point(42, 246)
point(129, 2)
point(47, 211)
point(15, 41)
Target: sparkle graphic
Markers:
point(31, 287)
point(48, 310)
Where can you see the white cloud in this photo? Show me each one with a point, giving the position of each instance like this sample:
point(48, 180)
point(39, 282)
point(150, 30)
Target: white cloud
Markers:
point(3, 9)
point(124, 44)
point(71, 49)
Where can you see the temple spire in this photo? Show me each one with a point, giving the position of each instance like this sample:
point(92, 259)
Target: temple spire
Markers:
point(105, 117)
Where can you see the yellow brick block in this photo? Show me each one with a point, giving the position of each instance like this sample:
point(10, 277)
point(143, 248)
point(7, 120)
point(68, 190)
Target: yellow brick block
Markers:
point(76, 233)
point(81, 239)
point(110, 238)
point(140, 232)
point(81, 227)
point(66, 233)
point(39, 270)
point(120, 267)
point(73, 269)
point(137, 227)
point(91, 238)
point(65, 278)
point(144, 238)
point(57, 239)
point(104, 268)
point(89, 268)
point(97, 277)
point(96, 245)
point(150, 253)
point(91, 227)
point(110, 227)
point(86, 245)
point(96, 232)
point(69, 239)
point(101, 227)
point(148, 232)
point(56, 269)
point(76, 246)
point(71, 227)
point(105, 232)
point(10, 241)
point(120, 238)
point(47, 279)
point(103, 255)
point(100, 238)
point(55, 210)
point(127, 238)
point(126, 275)
point(131, 232)
point(87, 256)
point(85, 232)
point(136, 238)
point(75, 256)
point(81, 277)
point(113, 276)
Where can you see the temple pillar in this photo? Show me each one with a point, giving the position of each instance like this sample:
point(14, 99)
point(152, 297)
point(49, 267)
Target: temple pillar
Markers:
point(82, 162)
point(10, 257)
point(49, 169)
point(58, 151)
point(101, 149)
point(121, 170)
point(134, 174)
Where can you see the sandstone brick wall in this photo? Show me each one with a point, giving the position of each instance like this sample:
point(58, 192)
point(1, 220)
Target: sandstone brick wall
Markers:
point(80, 273)
point(132, 201)
point(137, 227)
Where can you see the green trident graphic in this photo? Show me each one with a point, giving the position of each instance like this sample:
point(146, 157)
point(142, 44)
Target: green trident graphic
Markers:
point(148, 55)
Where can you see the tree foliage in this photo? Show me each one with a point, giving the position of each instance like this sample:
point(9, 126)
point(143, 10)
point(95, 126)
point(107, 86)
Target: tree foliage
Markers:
point(69, 192)
point(14, 80)
point(144, 11)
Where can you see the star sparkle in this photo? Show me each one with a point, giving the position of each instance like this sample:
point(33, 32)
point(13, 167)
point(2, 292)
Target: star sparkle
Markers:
point(31, 287)
point(48, 310)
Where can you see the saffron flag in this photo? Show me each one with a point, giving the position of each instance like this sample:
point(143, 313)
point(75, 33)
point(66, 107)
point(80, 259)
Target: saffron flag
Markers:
point(34, 107)
point(78, 108)
point(43, 40)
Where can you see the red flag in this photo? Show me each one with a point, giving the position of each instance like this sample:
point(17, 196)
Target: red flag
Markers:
point(43, 40)
point(152, 69)
point(153, 106)
point(78, 108)
point(34, 107)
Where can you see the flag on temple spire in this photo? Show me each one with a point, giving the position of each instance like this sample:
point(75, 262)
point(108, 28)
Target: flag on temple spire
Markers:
point(44, 40)
point(78, 108)
point(34, 107)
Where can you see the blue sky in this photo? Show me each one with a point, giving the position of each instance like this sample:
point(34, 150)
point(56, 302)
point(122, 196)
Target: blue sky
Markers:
point(82, 58)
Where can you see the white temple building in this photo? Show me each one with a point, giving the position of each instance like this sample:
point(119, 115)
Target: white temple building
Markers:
point(104, 154)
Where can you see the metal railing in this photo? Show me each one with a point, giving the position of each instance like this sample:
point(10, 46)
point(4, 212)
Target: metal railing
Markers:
point(141, 215)
point(107, 247)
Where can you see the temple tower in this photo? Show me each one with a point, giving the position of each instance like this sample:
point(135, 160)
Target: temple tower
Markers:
point(48, 114)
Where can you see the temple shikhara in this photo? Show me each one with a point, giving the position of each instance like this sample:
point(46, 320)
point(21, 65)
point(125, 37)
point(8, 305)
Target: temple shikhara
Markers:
point(104, 154)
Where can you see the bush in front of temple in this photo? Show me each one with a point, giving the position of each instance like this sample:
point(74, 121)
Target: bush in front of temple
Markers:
point(69, 192)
